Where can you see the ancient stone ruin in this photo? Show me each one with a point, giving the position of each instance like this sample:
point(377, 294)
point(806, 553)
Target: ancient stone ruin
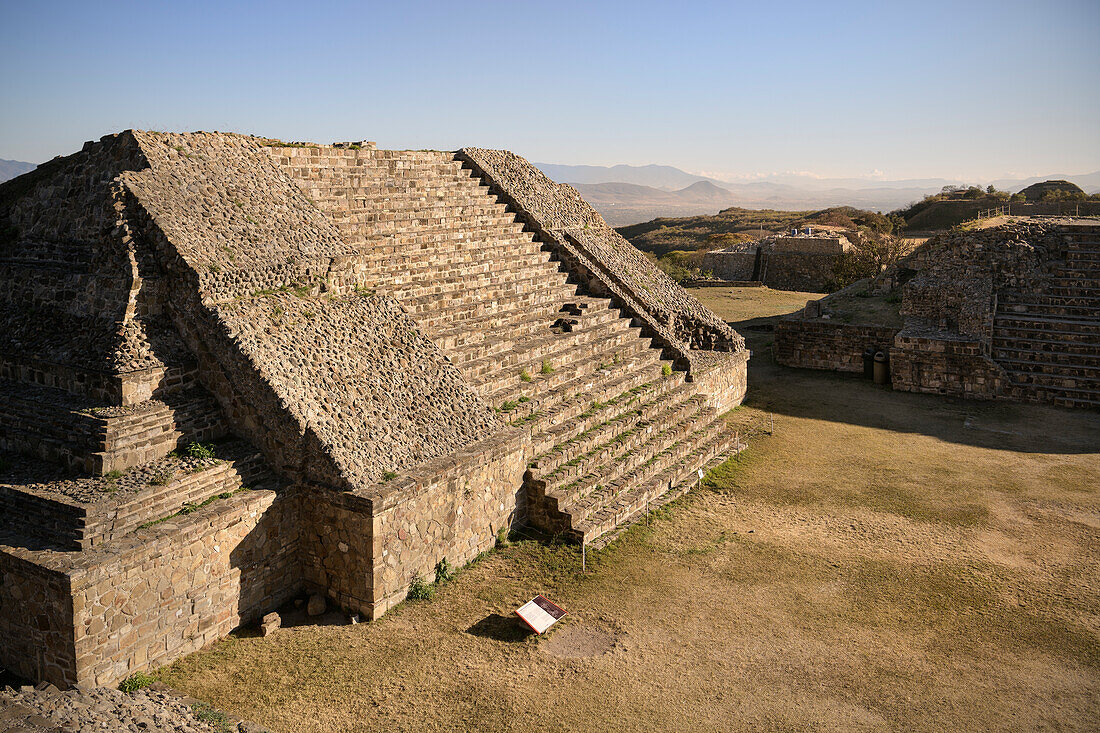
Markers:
point(235, 370)
point(1011, 312)
point(804, 260)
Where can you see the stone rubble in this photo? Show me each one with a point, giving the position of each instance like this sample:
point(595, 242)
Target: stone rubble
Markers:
point(103, 709)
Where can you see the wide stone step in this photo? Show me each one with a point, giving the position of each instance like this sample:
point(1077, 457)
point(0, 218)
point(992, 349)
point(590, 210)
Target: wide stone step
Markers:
point(441, 312)
point(1055, 381)
point(566, 422)
point(445, 240)
point(352, 227)
point(596, 513)
point(559, 397)
point(99, 439)
point(580, 359)
point(522, 275)
point(636, 498)
point(507, 352)
point(1038, 308)
point(378, 197)
point(1047, 353)
point(517, 321)
point(80, 512)
point(422, 262)
point(1040, 323)
point(476, 345)
point(1052, 368)
point(577, 493)
point(430, 213)
point(1047, 298)
point(572, 459)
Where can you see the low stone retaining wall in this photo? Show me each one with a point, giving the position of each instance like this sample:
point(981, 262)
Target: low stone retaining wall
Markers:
point(818, 344)
point(944, 364)
point(96, 617)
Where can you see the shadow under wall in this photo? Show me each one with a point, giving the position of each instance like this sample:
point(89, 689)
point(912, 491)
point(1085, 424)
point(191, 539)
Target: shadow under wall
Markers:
point(848, 398)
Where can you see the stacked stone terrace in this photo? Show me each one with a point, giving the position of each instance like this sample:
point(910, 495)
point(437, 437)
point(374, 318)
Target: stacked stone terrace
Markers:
point(397, 353)
point(1047, 336)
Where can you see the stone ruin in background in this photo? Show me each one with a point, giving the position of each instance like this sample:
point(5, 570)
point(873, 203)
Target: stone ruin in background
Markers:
point(804, 260)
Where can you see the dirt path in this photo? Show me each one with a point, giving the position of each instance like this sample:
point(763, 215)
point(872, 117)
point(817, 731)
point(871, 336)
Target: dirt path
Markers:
point(882, 562)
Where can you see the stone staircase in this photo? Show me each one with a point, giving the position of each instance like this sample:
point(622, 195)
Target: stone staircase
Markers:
point(613, 425)
point(1048, 339)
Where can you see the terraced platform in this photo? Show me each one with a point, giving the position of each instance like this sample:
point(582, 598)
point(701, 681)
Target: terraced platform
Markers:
point(234, 370)
point(1047, 338)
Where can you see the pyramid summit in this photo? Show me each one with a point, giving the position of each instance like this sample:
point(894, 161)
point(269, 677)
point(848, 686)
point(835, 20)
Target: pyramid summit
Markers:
point(234, 370)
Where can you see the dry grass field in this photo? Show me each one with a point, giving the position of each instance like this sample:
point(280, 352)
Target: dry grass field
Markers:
point(882, 561)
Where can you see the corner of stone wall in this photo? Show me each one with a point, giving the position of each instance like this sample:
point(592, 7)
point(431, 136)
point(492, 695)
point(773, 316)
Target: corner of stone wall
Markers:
point(36, 615)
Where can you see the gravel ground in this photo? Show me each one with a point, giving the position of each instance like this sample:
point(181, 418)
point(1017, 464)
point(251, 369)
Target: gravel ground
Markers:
point(47, 710)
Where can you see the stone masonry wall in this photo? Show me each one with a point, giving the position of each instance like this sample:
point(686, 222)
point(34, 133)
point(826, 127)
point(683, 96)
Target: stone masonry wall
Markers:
point(179, 585)
point(563, 219)
point(817, 344)
point(36, 615)
point(958, 273)
point(69, 315)
point(938, 363)
point(803, 271)
point(449, 508)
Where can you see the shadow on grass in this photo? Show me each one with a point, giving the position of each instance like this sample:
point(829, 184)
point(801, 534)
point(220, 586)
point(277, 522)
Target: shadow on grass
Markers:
point(500, 628)
point(848, 398)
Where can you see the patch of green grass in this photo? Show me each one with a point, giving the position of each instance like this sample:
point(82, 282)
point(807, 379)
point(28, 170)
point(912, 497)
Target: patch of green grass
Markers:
point(508, 405)
point(547, 368)
point(666, 370)
point(524, 376)
point(136, 681)
point(215, 718)
point(113, 476)
point(388, 475)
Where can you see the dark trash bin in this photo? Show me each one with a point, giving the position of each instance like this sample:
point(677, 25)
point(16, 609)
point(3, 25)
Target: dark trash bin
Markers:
point(882, 368)
point(869, 362)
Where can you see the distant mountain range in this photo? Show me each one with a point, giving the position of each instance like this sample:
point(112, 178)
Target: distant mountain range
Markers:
point(12, 168)
point(626, 194)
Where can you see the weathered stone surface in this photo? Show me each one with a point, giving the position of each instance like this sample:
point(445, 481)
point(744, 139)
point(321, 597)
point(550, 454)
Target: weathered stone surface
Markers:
point(381, 348)
point(316, 605)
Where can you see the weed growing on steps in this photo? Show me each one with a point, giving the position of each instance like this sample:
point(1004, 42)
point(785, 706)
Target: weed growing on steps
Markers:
point(161, 478)
point(199, 450)
point(388, 475)
point(666, 370)
point(547, 368)
point(524, 376)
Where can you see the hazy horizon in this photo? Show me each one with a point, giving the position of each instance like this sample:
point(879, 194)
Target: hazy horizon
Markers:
point(875, 91)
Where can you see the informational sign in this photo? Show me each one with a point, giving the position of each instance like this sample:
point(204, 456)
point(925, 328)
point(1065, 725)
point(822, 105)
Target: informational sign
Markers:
point(540, 614)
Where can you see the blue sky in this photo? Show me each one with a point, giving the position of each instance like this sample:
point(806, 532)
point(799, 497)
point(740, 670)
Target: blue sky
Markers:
point(977, 90)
